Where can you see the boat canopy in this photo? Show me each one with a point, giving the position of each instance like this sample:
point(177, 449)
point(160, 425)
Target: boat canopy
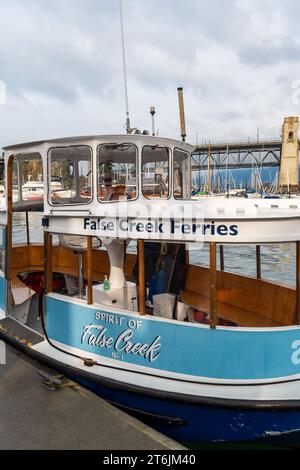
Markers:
point(105, 169)
point(137, 187)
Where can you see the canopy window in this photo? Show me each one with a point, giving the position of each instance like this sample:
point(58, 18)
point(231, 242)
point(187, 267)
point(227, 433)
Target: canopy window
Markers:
point(2, 247)
point(27, 179)
point(181, 175)
point(70, 180)
point(2, 177)
point(117, 172)
point(155, 172)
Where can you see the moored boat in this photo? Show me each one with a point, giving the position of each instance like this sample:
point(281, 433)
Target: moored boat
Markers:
point(203, 354)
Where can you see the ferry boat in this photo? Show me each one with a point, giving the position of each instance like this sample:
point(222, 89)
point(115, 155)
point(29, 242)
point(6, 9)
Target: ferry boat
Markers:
point(202, 354)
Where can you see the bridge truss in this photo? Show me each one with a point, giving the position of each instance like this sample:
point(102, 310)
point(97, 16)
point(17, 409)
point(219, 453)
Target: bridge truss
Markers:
point(237, 155)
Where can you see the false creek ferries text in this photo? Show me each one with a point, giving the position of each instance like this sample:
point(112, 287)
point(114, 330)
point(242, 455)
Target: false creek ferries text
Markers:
point(174, 226)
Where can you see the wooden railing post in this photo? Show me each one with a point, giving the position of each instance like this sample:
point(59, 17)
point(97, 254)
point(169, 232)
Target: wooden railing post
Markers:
point(89, 268)
point(142, 289)
point(48, 262)
point(222, 265)
point(213, 285)
point(27, 228)
point(258, 262)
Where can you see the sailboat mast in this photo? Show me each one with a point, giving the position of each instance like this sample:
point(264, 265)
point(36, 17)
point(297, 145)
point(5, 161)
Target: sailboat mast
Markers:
point(208, 168)
point(124, 69)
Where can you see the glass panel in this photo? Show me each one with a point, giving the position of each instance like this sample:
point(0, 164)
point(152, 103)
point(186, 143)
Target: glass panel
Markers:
point(2, 180)
point(181, 176)
point(155, 172)
point(117, 175)
point(70, 175)
point(31, 175)
point(2, 248)
point(15, 181)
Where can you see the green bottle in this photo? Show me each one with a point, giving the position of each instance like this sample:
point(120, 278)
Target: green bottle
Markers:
point(106, 284)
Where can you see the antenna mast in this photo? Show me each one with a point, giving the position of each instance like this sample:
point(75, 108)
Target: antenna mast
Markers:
point(152, 112)
point(181, 113)
point(124, 70)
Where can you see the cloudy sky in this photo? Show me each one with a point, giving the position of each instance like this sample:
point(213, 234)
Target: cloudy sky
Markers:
point(238, 61)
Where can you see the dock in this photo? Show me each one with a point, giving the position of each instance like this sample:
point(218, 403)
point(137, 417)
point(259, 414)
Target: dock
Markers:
point(68, 417)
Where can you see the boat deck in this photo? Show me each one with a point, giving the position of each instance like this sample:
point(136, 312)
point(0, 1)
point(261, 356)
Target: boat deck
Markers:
point(33, 417)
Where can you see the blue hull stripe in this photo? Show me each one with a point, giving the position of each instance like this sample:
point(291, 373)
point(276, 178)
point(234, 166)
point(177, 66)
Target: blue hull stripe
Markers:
point(175, 347)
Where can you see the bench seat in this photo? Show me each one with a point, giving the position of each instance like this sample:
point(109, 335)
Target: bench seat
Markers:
point(241, 317)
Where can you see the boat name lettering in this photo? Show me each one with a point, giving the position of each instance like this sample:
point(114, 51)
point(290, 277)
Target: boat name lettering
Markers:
point(109, 318)
point(205, 229)
point(174, 227)
point(96, 335)
point(113, 319)
point(124, 225)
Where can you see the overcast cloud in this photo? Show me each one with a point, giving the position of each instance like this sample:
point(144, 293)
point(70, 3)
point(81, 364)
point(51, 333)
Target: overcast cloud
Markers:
point(62, 66)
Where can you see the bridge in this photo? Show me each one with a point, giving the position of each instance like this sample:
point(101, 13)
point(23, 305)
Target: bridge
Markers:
point(283, 153)
point(244, 154)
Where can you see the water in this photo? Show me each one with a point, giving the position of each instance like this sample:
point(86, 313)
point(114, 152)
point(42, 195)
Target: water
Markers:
point(278, 261)
point(19, 234)
point(236, 177)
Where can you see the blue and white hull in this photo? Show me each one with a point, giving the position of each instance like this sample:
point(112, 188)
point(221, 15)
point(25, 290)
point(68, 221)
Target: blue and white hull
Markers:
point(190, 413)
point(133, 362)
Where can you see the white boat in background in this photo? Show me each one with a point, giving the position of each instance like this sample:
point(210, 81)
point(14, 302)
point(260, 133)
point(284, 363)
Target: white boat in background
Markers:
point(34, 190)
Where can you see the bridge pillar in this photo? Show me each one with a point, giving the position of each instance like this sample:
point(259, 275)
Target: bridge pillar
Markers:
point(288, 175)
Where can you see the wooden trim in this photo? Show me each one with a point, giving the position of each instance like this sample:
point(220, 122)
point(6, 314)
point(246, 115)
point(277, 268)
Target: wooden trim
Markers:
point(48, 262)
point(142, 290)
point(187, 254)
point(27, 228)
point(222, 265)
point(258, 262)
point(213, 285)
point(89, 268)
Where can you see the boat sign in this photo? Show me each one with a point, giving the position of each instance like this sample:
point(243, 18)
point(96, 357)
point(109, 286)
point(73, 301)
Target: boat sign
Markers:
point(174, 346)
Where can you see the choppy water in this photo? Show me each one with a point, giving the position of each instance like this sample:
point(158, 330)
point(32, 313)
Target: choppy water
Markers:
point(278, 261)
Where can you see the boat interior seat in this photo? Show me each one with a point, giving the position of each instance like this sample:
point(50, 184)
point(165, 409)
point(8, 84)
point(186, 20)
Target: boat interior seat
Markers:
point(117, 192)
point(231, 313)
point(77, 243)
point(246, 301)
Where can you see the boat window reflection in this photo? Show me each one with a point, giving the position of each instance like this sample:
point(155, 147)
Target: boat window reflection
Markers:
point(155, 172)
point(70, 175)
point(117, 175)
point(31, 174)
point(181, 175)
point(2, 248)
point(2, 179)
point(27, 179)
point(16, 182)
